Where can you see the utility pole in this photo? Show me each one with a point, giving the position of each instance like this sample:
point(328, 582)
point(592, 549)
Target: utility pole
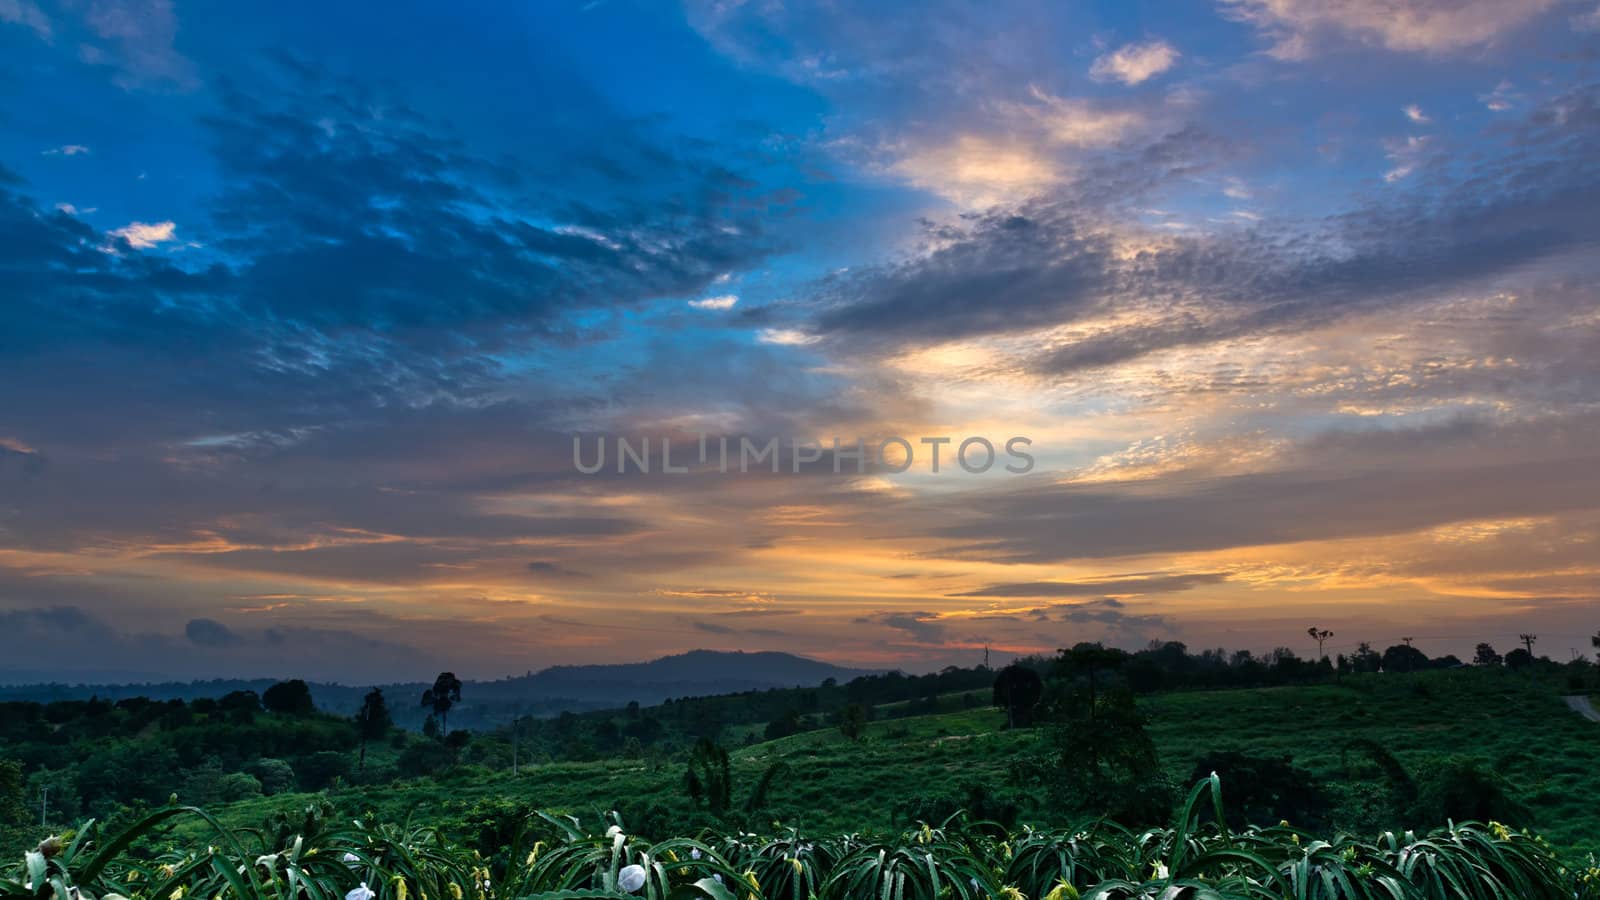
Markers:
point(515, 721)
point(1406, 641)
point(986, 656)
point(1527, 641)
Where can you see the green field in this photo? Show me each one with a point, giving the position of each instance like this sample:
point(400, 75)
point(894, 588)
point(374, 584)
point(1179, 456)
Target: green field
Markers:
point(1516, 724)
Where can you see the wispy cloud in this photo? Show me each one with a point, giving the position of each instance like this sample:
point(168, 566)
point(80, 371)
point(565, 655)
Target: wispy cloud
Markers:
point(145, 235)
point(1135, 63)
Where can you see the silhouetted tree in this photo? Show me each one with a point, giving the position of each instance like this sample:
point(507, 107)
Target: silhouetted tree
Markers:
point(853, 721)
point(1098, 757)
point(1089, 660)
point(709, 777)
point(1016, 690)
point(783, 726)
point(1404, 658)
point(1485, 656)
point(373, 721)
point(291, 697)
point(1320, 635)
point(1519, 659)
point(445, 693)
point(13, 802)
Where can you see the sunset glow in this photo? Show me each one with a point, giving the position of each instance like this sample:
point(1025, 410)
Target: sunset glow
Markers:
point(301, 309)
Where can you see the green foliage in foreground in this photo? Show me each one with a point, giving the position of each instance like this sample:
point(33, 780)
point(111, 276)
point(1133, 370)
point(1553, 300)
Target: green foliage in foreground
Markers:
point(557, 857)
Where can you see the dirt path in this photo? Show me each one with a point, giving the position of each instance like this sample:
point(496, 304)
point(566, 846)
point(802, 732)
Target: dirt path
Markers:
point(1580, 704)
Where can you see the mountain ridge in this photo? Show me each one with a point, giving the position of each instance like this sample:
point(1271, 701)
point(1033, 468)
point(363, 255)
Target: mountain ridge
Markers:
point(546, 692)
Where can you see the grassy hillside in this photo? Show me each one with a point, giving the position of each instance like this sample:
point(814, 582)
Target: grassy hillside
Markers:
point(1515, 724)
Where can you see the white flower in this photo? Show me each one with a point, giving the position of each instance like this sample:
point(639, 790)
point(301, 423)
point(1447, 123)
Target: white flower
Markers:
point(613, 831)
point(630, 879)
point(694, 853)
point(1161, 870)
point(361, 893)
point(350, 859)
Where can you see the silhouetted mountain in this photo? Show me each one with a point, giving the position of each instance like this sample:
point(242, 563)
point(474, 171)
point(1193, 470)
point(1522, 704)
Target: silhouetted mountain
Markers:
point(549, 692)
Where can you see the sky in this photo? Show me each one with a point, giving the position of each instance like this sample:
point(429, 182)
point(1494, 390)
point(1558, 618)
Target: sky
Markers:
point(302, 308)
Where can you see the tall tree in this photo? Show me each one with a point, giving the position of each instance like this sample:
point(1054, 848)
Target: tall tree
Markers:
point(1320, 635)
point(445, 693)
point(1486, 656)
point(709, 777)
point(373, 721)
point(1089, 660)
point(1016, 690)
point(13, 799)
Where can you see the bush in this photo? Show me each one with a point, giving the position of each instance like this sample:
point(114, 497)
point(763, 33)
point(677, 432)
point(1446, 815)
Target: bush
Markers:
point(275, 775)
point(425, 758)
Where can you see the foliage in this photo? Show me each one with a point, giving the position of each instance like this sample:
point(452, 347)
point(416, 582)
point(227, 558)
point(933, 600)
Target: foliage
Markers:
point(291, 697)
point(445, 693)
point(552, 856)
point(853, 721)
point(1017, 689)
point(708, 778)
point(12, 799)
point(1097, 756)
point(1265, 788)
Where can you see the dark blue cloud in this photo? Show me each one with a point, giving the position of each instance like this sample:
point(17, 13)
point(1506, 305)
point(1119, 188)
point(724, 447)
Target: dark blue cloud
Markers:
point(210, 633)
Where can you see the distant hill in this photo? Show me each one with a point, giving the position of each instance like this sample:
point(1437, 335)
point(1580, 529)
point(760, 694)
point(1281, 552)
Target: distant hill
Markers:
point(548, 692)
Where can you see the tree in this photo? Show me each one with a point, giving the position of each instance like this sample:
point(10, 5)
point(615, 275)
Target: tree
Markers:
point(1321, 637)
point(709, 777)
point(1485, 656)
point(13, 803)
point(1097, 757)
point(275, 775)
point(373, 721)
point(1089, 660)
point(783, 726)
point(1365, 659)
point(292, 698)
point(853, 721)
point(1519, 659)
point(1017, 690)
point(1404, 658)
point(445, 693)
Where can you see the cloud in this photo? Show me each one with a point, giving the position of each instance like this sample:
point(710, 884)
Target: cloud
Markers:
point(1142, 584)
point(722, 302)
point(1079, 123)
point(1055, 261)
point(923, 627)
point(976, 171)
point(1415, 114)
point(68, 150)
point(1502, 98)
point(785, 337)
point(1135, 63)
point(1406, 156)
point(545, 567)
point(210, 633)
point(1421, 26)
point(26, 14)
point(139, 40)
point(1323, 494)
point(143, 236)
